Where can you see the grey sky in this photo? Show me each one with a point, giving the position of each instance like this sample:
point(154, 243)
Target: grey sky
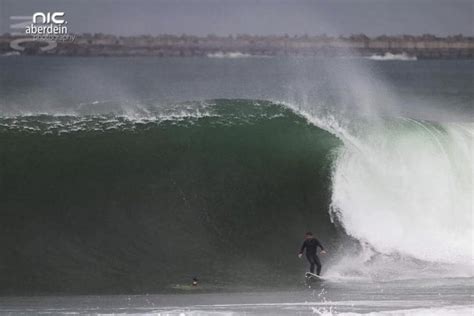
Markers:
point(222, 17)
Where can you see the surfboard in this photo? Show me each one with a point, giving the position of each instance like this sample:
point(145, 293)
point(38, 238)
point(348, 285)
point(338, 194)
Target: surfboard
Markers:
point(312, 276)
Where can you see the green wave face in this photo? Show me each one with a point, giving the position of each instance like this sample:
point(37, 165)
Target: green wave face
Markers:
point(141, 204)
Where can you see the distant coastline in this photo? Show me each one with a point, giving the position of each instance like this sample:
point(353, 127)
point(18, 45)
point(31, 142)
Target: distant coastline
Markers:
point(412, 47)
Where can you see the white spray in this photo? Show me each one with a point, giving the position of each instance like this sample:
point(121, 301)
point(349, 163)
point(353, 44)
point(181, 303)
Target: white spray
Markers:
point(402, 187)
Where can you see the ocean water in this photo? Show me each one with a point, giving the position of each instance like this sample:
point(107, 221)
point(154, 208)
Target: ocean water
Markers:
point(121, 179)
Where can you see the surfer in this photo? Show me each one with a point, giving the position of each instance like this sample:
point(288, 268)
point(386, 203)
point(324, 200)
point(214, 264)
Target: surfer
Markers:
point(311, 244)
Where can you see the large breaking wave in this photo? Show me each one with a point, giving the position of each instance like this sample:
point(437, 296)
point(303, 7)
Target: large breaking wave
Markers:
point(118, 203)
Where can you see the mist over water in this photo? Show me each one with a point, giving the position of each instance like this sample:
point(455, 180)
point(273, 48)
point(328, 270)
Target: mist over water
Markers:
point(433, 90)
point(133, 158)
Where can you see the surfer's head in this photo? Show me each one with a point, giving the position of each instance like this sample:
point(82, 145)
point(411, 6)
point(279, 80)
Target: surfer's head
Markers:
point(308, 235)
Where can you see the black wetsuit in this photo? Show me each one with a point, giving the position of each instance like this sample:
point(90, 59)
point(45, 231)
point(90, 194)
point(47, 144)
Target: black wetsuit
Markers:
point(311, 246)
